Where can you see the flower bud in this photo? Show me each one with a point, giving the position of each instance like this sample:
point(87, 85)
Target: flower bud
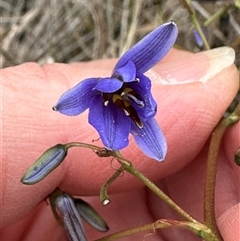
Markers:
point(70, 217)
point(198, 38)
point(45, 164)
point(237, 157)
point(89, 214)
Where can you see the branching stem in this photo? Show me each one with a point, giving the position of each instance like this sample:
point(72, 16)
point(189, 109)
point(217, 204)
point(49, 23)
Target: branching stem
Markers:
point(209, 192)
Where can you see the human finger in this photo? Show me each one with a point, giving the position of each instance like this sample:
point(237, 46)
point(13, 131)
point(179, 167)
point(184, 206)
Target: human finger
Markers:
point(30, 127)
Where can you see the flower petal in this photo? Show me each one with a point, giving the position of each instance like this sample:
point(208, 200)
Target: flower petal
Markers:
point(77, 99)
point(127, 72)
point(150, 139)
point(111, 123)
point(151, 49)
point(108, 85)
point(143, 88)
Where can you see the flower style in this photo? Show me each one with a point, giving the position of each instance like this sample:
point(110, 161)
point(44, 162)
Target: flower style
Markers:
point(123, 103)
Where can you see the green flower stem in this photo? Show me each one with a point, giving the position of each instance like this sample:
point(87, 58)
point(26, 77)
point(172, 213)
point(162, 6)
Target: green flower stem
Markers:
point(104, 198)
point(196, 23)
point(217, 15)
point(209, 192)
point(199, 29)
point(131, 231)
point(159, 193)
point(199, 229)
point(80, 144)
point(129, 168)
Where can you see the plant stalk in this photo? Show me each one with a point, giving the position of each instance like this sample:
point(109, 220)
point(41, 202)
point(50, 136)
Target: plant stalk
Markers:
point(209, 192)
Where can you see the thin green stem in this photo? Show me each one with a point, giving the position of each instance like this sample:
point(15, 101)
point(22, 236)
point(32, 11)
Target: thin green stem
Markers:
point(196, 23)
point(131, 231)
point(159, 193)
point(81, 144)
point(199, 229)
point(129, 168)
point(217, 15)
point(209, 192)
point(104, 198)
point(199, 29)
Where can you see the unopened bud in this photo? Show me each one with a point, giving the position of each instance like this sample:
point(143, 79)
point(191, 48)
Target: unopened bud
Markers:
point(198, 38)
point(90, 215)
point(237, 157)
point(45, 164)
point(70, 217)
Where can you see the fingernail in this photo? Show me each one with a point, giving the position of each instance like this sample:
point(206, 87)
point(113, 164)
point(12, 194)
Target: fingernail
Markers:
point(199, 67)
point(220, 58)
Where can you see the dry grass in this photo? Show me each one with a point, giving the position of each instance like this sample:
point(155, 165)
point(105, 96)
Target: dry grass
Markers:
point(80, 30)
point(66, 31)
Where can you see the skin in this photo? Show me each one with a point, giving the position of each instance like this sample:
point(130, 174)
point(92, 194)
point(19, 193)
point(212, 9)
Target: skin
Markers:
point(187, 114)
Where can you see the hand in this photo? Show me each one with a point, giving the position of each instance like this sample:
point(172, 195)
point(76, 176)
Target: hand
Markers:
point(187, 113)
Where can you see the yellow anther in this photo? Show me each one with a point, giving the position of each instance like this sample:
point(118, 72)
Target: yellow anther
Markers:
point(116, 97)
point(127, 90)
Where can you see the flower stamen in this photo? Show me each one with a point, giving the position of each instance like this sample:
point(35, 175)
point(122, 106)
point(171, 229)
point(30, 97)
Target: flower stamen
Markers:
point(130, 94)
point(106, 103)
point(105, 98)
point(137, 80)
point(128, 109)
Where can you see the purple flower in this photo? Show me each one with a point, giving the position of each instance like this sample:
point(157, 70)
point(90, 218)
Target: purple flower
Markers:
point(123, 103)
